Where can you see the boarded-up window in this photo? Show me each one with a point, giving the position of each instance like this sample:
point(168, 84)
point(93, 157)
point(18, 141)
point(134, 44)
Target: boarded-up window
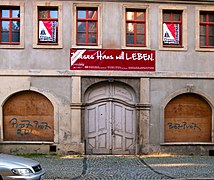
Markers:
point(28, 116)
point(187, 119)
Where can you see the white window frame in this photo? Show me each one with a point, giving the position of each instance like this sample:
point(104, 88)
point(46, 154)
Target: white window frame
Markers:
point(22, 24)
point(74, 31)
point(184, 28)
point(35, 24)
point(197, 27)
point(123, 30)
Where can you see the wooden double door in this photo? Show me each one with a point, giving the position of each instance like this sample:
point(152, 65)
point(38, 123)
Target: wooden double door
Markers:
point(110, 120)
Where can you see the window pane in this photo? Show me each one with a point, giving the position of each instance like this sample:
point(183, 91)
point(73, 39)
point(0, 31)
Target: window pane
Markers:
point(211, 41)
point(43, 14)
point(140, 39)
point(211, 30)
point(130, 15)
point(92, 27)
point(5, 13)
point(15, 13)
point(177, 17)
point(130, 27)
point(81, 27)
point(166, 16)
point(202, 41)
point(5, 25)
point(53, 14)
point(211, 18)
point(92, 38)
point(16, 25)
point(202, 18)
point(129, 39)
point(140, 15)
point(15, 37)
point(202, 30)
point(5, 36)
point(81, 38)
point(92, 14)
point(140, 28)
point(81, 14)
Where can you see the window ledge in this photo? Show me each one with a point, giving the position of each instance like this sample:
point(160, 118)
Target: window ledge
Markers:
point(205, 49)
point(187, 143)
point(25, 142)
point(86, 47)
point(134, 48)
point(59, 46)
point(173, 49)
point(11, 46)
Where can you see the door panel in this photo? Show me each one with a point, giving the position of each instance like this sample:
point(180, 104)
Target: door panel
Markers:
point(92, 117)
point(98, 92)
point(122, 92)
point(97, 128)
point(123, 129)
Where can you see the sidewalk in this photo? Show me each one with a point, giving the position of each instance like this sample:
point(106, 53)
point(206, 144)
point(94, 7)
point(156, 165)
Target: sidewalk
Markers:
point(129, 167)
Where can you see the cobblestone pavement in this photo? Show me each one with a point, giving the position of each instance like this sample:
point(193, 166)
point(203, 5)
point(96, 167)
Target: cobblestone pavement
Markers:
point(128, 167)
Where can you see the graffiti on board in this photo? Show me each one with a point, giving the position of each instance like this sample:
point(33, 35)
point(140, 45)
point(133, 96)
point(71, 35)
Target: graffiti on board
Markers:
point(25, 127)
point(184, 125)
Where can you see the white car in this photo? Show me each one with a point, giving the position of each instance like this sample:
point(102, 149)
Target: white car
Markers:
point(20, 168)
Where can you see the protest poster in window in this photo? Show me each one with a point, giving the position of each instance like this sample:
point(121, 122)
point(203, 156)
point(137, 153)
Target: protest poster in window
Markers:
point(171, 34)
point(47, 31)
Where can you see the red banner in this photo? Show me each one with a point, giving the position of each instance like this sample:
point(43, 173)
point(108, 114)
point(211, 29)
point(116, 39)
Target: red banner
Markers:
point(107, 59)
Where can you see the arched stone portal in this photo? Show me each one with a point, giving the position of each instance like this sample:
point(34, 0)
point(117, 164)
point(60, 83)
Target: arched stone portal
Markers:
point(110, 119)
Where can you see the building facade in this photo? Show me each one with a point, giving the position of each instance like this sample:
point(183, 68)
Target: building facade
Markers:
point(107, 77)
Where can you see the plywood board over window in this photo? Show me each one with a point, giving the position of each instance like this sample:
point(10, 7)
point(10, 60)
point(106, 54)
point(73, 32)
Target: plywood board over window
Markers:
point(187, 119)
point(28, 116)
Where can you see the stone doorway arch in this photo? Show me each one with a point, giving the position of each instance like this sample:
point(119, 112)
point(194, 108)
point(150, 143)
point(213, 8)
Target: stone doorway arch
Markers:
point(110, 119)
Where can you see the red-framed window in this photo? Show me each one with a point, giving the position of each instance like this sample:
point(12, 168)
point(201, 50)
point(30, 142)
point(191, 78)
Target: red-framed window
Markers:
point(206, 29)
point(172, 28)
point(10, 25)
point(87, 26)
point(135, 27)
point(47, 25)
